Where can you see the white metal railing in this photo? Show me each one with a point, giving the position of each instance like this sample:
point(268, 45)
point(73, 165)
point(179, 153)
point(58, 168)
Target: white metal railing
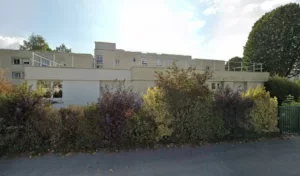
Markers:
point(43, 61)
point(242, 66)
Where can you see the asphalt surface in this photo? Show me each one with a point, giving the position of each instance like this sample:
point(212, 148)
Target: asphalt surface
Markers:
point(268, 158)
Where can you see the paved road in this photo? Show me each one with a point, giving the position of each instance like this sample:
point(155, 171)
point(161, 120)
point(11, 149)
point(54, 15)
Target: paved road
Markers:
point(269, 158)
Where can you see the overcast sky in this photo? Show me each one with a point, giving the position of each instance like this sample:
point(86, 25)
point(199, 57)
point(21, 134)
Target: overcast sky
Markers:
point(212, 29)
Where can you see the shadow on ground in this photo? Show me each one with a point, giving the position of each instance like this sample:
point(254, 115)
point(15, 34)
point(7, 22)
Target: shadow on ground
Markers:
point(269, 158)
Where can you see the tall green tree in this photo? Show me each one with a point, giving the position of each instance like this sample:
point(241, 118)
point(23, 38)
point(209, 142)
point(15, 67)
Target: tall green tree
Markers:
point(63, 49)
point(234, 64)
point(275, 41)
point(35, 42)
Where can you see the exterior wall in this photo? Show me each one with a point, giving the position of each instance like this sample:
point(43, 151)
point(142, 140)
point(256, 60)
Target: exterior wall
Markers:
point(80, 92)
point(105, 46)
point(141, 86)
point(6, 55)
point(235, 80)
point(215, 65)
point(52, 73)
point(129, 59)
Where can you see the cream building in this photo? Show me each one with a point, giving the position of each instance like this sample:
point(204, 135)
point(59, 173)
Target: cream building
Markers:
point(80, 76)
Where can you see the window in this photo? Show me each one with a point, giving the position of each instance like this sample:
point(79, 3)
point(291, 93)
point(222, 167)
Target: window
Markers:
point(207, 68)
point(144, 62)
point(25, 61)
point(117, 61)
point(57, 89)
point(170, 62)
point(50, 89)
point(44, 62)
point(17, 75)
point(16, 61)
point(213, 86)
point(158, 62)
point(99, 60)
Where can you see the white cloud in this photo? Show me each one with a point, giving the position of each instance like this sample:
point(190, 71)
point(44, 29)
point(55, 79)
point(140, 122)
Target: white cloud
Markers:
point(234, 20)
point(10, 42)
point(177, 27)
point(210, 11)
point(158, 26)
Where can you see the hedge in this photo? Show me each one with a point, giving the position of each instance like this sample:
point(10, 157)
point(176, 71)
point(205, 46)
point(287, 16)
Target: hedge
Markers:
point(180, 110)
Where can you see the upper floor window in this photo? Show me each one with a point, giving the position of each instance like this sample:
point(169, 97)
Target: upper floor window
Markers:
point(25, 61)
point(144, 62)
point(99, 60)
point(213, 86)
point(117, 61)
point(16, 60)
point(17, 75)
point(158, 62)
point(170, 63)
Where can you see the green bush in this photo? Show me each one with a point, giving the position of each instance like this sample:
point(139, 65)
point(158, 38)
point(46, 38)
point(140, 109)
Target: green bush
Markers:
point(263, 115)
point(155, 107)
point(140, 131)
point(290, 101)
point(188, 100)
point(196, 124)
point(23, 122)
point(180, 110)
point(281, 87)
point(233, 109)
point(117, 103)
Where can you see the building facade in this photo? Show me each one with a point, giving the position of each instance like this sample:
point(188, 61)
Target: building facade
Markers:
point(77, 78)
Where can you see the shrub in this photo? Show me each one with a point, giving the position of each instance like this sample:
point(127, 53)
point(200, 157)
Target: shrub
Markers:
point(22, 118)
point(116, 104)
point(5, 86)
point(154, 106)
point(263, 115)
point(290, 101)
point(233, 109)
point(281, 87)
point(188, 100)
point(197, 123)
point(140, 131)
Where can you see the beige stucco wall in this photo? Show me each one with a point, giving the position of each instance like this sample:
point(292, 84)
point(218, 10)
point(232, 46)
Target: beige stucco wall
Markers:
point(6, 55)
point(52, 73)
point(235, 80)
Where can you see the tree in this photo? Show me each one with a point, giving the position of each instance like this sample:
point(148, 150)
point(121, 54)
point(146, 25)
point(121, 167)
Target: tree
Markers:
point(35, 43)
point(63, 49)
point(275, 41)
point(234, 64)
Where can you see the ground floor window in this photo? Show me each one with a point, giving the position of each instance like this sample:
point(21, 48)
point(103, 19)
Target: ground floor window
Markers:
point(50, 89)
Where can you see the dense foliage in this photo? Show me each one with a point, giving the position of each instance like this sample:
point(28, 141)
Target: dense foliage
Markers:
point(180, 110)
point(263, 115)
point(234, 64)
point(281, 87)
point(234, 110)
point(37, 42)
point(275, 41)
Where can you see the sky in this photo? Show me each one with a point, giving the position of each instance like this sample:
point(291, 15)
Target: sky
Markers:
point(210, 29)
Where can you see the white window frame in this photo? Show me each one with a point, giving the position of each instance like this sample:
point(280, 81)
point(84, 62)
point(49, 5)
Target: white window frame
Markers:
point(14, 73)
point(144, 62)
point(213, 86)
point(25, 61)
point(99, 60)
point(16, 59)
point(158, 63)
